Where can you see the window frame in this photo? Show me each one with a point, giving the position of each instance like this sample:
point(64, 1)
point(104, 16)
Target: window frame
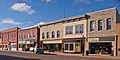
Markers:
point(108, 27)
point(100, 22)
point(92, 26)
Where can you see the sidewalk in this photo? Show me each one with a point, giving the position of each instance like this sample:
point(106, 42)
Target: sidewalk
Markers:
point(80, 55)
point(68, 54)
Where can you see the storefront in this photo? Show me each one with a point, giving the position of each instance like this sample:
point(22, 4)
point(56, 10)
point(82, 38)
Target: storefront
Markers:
point(52, 46)
point(27, 45)
point(100, 48)
point(74, 46)
point(103, 45)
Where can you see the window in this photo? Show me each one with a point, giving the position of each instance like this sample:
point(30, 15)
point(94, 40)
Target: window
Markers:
point(66, 46)
point(24, 36)
point(43, 35)
point(58, 34)
point(53, 34)
point(30, 35)
point(69, 30)
point(79, 29)
point(108, 24)
point(92, 25)
point(34, 34)
point(47, 34)
point(99, 25)
point(71, 47)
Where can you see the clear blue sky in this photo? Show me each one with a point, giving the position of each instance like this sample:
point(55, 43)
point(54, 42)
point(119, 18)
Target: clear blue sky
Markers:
point(24, 13)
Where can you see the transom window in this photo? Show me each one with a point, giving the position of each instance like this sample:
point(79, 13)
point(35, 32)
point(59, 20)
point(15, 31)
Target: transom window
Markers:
point(69, 30)
point(99, 25)
point(108, 23)
point(79, 29)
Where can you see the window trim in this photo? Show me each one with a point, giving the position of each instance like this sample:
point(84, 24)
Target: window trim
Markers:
point(100, 26)
point(92, 26)
point(107, 25)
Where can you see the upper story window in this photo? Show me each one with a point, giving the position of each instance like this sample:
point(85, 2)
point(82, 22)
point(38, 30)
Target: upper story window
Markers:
point(24, 36)
point(34, 34)
point(99, 25)
point(79, 29)
point(108, 24)
point(53, 34)
point(69, 30)
point(30, 35)
point(58, 34)
point(47, 34)
point(92, 26)
point(43, 35)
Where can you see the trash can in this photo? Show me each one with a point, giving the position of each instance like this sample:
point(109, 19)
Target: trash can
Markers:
point(87, 53)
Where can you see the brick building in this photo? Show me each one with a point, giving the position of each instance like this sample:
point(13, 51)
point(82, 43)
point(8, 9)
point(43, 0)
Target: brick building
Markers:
point(102, 35)
point(10, 39)
point(28, 39)
point(51, 35)
point(74, 34)
point(0, 40)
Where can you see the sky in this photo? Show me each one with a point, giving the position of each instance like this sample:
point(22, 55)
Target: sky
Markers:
point(25, 13)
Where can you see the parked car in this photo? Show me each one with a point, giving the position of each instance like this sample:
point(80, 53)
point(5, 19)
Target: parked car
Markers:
point(39, 51)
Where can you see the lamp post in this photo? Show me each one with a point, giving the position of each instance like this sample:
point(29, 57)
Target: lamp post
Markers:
point(86, 41)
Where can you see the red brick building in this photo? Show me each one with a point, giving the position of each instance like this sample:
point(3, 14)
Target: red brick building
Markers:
point(0, 40)
point(10, 39)
point(28, 38)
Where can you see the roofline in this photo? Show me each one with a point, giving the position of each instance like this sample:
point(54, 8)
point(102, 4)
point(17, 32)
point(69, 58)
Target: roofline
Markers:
point(27, 28)
point(9, 29)
point(79, 16)
point(65, 19)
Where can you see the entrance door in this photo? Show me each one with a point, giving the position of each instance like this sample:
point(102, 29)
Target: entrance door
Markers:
point(101, 48)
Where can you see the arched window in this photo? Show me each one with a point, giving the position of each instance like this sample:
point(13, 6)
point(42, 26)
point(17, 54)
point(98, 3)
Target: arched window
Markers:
point(58, 34)
point(43, 35)
point(108, 23)
point(47, 34)
point(53, 34)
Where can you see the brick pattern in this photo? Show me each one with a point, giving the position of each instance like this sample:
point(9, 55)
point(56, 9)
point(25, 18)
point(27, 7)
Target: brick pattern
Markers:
point(27, 32)
point(102, 15)
point(49, 28)
point(118, 32)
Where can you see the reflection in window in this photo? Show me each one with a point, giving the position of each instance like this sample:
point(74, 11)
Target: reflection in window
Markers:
point(108, 24)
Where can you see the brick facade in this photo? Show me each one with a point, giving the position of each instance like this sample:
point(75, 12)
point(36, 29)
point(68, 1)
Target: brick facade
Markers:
point(30, 35)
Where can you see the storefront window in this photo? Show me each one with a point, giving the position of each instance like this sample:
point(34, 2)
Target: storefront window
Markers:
point(66, 46)
point(71, 47)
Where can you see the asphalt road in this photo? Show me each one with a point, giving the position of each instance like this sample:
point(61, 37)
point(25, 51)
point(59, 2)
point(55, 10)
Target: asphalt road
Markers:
point(8, 55)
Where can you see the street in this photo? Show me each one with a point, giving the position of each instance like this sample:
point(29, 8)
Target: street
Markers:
point(10, 55)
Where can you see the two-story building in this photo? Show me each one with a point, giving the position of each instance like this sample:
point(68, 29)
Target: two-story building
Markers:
point(0, 40)
point(102, 34)
point(74, 34)
point(51, 35)
point(28, 39)
point(10, 39)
